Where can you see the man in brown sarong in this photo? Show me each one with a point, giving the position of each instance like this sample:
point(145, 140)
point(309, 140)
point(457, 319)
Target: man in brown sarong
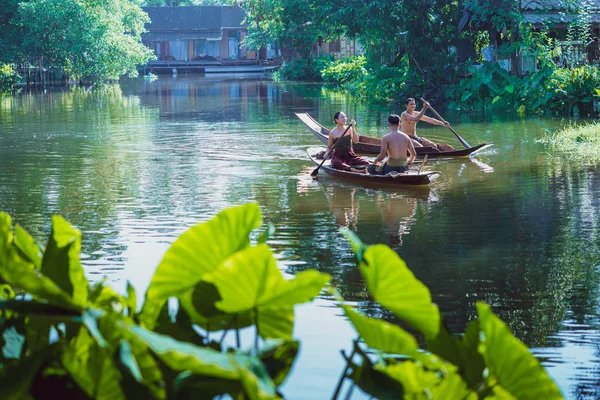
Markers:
point(410, 117)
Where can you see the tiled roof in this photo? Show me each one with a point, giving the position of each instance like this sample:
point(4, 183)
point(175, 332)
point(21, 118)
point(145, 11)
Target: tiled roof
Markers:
point(551, 5)
point(194, 18)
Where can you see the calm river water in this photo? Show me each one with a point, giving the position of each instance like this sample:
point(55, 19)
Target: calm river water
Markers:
point(135, 165)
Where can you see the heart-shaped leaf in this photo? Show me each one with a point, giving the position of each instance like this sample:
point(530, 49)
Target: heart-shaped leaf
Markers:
point(509, 361)
point(395, 287)
point(196, 252)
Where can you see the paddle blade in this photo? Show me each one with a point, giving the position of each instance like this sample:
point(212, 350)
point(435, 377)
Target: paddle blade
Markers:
point(315, 172)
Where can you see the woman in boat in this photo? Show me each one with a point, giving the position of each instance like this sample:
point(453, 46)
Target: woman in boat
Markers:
point(343, 155)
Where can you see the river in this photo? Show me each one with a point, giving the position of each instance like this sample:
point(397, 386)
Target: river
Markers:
point(133, 166)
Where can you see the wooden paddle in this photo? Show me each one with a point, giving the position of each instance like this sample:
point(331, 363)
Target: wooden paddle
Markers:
point(449, 127)
point(316, 170)
point(423, 163)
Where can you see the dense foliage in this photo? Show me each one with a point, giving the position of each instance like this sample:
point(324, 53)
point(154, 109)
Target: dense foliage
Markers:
point(62, 337)
point(97, 40)
point(434, 49)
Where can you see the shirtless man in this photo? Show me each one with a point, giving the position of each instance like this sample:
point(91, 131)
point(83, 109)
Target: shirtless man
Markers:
point(409, 125)
point(394, 145)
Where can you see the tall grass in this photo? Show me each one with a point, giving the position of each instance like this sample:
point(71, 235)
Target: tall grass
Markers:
point(580, 142)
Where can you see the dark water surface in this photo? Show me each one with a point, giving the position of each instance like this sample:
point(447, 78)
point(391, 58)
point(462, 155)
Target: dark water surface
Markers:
point(136, 165)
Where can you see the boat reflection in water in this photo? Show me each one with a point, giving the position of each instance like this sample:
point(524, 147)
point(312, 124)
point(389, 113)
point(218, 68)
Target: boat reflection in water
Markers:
point(377, 215)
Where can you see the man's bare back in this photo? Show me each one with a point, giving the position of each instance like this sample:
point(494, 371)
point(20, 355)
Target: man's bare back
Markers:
point(396, 144)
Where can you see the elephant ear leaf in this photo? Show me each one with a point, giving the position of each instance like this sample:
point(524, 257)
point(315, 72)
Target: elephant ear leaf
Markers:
point(21, 273)
point(509, 361)
point(61, 261)
point(29, 249)
point(262, 288)
point(396, 288)
point(198, 251)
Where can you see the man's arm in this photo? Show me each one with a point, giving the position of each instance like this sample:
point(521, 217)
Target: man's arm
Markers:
point(434, 121)
point(417, 117)
point(383, 152)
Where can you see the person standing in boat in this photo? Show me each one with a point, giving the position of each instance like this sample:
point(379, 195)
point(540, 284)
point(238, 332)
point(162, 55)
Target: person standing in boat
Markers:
point(395, 145)
point(343, 155)
point(410, 117)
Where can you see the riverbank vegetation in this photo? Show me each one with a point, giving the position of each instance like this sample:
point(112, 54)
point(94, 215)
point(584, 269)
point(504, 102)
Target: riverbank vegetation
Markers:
point(95, 41)
point(476, 55)
point(62, 337)
point(581, 142)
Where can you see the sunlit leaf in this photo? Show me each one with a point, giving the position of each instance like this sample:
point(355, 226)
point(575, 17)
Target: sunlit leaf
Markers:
point(452, 386)
point(382, 335)
point(395, 287)
point(131, 299)
point(61, 261)
point(260, 285)
point(27, 246)
point(196, 252)
point(510, 362)
point(413, 377)
point(107, 299)
point(22, 274)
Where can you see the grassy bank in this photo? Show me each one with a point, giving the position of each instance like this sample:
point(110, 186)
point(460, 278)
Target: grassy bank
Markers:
point(581, 142)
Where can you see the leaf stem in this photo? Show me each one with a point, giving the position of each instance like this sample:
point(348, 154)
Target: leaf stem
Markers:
point(343, 376)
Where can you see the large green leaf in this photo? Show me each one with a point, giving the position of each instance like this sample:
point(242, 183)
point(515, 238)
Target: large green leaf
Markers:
point(452, 387)
point(395, 287)
point(61, 261)
point(382, 335)
point(415, 379)
point(196, 252)
point(260, 286)
point(509, 361)
point(27, 246)
point(23, 275)
point(182, 356)
point(93, 368)
point(473, 365)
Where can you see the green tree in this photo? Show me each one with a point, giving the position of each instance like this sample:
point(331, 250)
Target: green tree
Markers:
point(99, 40)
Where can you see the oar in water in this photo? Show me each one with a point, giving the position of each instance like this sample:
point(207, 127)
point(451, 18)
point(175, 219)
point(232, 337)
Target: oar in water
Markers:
point(316, 170)
point(423, 163)
point(463, 141)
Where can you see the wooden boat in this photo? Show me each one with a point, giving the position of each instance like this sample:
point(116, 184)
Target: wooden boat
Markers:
point(411, 177)
point(371, 145)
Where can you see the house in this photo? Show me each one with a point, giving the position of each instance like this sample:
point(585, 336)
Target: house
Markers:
point(554, 15)
point(195, 38)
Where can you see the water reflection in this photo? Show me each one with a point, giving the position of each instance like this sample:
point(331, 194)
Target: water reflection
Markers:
point(135, 165)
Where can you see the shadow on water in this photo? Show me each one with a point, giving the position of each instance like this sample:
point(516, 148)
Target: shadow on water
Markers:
point(135, 165)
